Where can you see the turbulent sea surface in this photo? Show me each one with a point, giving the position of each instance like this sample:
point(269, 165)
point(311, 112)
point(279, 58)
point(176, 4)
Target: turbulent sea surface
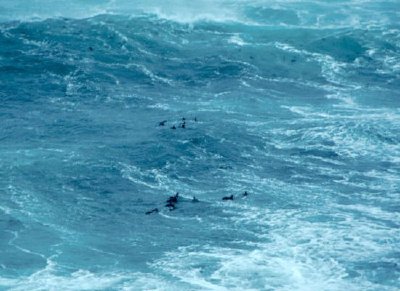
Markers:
point(297, 103)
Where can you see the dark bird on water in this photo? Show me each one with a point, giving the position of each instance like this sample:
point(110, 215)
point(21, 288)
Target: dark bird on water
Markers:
point(171, 201)
point(162, 123)
point(155, 210)
point(245, 194)
point(195, 199)
point(173, 127)
point(227, 198)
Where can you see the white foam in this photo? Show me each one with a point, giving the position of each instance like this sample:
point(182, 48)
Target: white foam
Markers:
point(316, 15)
point(307, 249)
point(196, 218)
point(53, 278)
point(85, 280)
point(162, 106)
point(154, 77)
point(175, 10)
point(260, 269)
point(137, 176)
point(331, 69)
point(236, 39)
point(41, 9)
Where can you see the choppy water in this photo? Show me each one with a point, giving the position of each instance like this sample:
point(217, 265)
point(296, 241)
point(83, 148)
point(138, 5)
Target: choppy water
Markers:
point(297, 103)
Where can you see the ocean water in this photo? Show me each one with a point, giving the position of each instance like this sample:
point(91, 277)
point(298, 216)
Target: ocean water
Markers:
point(296, 102)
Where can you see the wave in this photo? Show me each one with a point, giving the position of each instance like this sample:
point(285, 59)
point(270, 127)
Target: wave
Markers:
point(314, 14)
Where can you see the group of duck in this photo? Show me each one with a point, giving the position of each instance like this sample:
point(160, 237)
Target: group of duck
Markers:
point(181, 125)
point(173, 200)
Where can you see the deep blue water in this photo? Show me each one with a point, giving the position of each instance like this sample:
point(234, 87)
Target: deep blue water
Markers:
point(297, 103)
